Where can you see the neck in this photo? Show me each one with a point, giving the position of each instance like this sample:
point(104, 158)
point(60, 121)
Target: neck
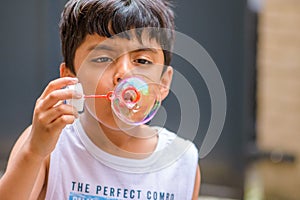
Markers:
point(137, 142)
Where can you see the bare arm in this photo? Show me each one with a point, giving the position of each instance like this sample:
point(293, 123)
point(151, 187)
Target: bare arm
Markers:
point(26, 169)
point(197, 184)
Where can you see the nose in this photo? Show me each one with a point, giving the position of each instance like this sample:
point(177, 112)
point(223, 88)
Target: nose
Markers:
point(123, 66)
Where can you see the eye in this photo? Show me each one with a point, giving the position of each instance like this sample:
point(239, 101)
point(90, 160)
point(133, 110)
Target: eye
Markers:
point(102, 59)
point(143, 61)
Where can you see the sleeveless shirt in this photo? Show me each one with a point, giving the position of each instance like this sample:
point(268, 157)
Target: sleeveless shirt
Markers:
point(79, 170)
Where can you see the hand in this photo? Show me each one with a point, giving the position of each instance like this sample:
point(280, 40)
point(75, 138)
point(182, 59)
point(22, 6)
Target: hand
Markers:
point(51, 115)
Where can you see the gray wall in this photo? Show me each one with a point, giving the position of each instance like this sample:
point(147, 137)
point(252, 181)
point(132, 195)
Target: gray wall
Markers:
point(30, 57)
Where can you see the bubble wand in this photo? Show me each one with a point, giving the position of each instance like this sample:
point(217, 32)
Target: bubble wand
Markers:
point(129, 95)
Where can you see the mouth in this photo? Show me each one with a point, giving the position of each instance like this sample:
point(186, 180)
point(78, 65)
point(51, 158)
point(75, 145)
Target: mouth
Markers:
point(130, 95)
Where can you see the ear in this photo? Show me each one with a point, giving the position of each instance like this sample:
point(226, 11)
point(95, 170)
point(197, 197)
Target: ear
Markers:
point(165, 82)
point(64, 71)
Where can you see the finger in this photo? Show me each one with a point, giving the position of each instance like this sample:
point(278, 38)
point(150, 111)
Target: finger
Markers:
point(59, 102)
point(61, 122)
point(58, 84)
point(54, 113)
point(57, 96)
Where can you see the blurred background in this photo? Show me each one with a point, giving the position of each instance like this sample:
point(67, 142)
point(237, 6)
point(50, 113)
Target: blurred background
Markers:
point(254, 43)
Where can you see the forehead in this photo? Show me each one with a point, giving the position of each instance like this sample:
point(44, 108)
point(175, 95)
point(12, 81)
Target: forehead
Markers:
point(116, 43)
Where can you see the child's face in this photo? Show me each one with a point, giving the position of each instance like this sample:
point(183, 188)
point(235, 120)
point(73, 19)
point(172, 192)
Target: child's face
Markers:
point(101, 63)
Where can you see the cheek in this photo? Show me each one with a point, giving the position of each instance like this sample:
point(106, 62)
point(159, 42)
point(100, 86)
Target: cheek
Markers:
point(99, 85)
point(155, 75)
point(104, 84)
point(94, 80)
point(99, 107)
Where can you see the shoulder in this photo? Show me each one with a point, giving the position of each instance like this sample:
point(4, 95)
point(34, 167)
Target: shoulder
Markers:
point(176, 147)
point(167, 137)
point(182, 154)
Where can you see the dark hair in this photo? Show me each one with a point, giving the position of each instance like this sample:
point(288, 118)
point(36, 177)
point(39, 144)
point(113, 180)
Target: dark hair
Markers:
point(109, 17)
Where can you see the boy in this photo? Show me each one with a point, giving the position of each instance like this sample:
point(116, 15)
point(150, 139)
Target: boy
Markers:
point(96, 156)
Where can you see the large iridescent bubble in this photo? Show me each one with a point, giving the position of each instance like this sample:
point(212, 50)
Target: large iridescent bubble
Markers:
point(136, 100)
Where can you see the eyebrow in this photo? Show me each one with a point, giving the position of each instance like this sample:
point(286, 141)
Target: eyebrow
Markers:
point(109, 48)
point(100, 47)
point(145, 49)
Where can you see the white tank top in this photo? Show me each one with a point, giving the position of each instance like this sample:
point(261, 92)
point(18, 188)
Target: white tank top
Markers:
point(79, 170)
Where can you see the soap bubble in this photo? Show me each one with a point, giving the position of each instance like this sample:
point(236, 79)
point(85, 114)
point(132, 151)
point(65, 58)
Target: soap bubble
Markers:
point(136, 100)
